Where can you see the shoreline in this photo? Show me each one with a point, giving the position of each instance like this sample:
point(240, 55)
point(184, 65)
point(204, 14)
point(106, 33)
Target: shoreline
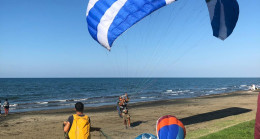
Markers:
point(109, 108)
point(51, 93)
point(200, 115)
point(134, 105)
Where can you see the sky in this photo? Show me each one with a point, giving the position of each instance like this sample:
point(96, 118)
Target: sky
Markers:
point(50, 38)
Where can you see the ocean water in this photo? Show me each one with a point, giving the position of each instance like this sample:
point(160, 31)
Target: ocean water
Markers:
point(27, 94)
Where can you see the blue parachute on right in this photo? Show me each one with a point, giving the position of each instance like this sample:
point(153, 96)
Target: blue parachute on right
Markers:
point(223, 15)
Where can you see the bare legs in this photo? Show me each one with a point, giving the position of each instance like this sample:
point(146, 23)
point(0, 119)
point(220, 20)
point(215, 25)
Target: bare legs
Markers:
point(6, 111)
point(127, 122)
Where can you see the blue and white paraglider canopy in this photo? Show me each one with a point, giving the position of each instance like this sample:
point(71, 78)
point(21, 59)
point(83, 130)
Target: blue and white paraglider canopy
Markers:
point(108, 19)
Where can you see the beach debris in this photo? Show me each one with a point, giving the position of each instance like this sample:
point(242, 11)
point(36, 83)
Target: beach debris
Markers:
point(253, 87)
point(169, 127)
point(146, 136)
point(108, 19)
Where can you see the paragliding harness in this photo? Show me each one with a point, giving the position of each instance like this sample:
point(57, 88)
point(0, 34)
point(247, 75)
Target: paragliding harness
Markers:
point(122, 109)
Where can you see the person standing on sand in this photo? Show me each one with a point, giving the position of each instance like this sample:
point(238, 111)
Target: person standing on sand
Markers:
point(6, 107)
point(78, 125)
point(124, 110)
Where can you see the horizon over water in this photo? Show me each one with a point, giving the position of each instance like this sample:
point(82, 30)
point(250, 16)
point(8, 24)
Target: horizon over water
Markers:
point(30, 94)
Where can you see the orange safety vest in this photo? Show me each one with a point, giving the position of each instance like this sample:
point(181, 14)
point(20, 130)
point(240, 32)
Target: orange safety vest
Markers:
point(80, 128)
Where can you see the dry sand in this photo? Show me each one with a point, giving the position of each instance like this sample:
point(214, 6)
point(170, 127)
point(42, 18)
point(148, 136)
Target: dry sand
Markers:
point(201, 116)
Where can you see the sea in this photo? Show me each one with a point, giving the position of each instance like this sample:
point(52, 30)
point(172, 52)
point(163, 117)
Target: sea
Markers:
point(33, 94)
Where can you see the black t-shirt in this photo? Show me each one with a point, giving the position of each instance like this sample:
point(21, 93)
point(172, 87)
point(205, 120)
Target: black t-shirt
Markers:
point(6, 105)
point(123, 107)
point(70, 119)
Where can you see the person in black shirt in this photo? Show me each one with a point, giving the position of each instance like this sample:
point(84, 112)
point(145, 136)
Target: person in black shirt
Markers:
point(6, 106)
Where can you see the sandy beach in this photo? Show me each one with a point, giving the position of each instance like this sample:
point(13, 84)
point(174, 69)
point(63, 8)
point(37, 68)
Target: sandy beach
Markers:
point(201, 116)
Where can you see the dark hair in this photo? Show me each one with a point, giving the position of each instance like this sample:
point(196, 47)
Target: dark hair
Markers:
point(6, 99)
point(79, 106)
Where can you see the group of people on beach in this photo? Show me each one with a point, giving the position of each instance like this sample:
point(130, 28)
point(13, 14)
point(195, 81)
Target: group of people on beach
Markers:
point(78, 125)
point(5, 106)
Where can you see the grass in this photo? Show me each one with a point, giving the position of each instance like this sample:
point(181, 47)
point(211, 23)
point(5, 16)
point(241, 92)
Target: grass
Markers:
point(241, 131)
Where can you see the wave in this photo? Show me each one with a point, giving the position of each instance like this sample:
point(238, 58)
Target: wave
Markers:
point(42, 102)
point(243, 85)
point(179, 91)
point(51, 102)
point(146, 97)
point(184, 91)
point(84, 99)
point(58, 101)
point(13, 105)
point(62, 100)
point(223, 88)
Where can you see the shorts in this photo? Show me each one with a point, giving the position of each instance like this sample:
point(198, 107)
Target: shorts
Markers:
point(125, 116)
point(6, 110)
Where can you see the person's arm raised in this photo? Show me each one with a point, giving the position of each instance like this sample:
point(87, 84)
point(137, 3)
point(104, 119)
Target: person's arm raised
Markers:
point(127, 98)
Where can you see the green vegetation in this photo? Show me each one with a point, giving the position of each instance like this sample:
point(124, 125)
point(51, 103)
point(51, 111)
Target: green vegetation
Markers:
point(241, 131)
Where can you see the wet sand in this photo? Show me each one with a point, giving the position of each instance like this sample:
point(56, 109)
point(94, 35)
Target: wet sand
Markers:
point(201, 116)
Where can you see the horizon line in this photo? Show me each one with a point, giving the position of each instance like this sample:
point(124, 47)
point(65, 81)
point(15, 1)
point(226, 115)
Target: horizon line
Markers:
point(110, 77)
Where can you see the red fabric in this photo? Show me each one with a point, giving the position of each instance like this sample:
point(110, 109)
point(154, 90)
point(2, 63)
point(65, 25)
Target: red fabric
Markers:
point(257, 119)
point(6, 111)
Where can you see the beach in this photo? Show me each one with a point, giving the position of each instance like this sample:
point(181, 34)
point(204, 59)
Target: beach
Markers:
point(200, 115)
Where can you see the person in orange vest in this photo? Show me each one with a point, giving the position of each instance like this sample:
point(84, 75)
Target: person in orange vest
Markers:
point(78, 125)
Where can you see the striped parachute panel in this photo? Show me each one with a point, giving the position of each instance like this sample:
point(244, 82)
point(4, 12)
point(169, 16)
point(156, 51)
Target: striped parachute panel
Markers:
point(169, 127)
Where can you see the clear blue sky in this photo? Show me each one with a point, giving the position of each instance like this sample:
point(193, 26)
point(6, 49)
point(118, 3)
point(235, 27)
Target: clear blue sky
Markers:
point(49, 38)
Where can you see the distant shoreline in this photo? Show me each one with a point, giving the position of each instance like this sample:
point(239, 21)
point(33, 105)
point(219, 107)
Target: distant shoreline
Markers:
point(124, 77)
point(109, 108)
point(35, 94)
